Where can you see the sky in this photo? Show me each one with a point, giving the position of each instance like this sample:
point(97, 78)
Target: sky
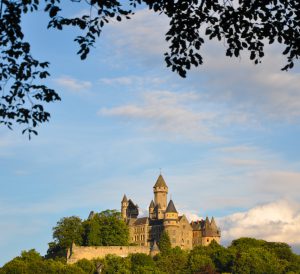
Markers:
point(226, 138)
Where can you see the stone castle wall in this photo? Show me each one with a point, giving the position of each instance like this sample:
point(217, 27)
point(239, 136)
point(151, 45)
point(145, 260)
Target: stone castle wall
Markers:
point(76, 253)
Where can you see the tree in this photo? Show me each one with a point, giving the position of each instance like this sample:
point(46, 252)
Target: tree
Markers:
point(173, 261)
point(241, 26)
point(106, 228)
point(257, 260)
point(66, 231)
point(164, 243)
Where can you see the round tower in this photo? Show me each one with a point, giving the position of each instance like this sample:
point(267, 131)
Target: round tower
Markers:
point(160, 190)
point(124, 206)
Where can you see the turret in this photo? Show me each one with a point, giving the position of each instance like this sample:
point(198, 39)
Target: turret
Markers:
point(210, 232)
point(151, 210)
point(171, 212)
point(124, 206)
point(160, 190)
point(171, 224)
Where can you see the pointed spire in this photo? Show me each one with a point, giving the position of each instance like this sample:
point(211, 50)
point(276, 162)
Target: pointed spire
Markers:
point(152, 205)
point(160, 182)
point(213, 224)
point(207, 223)
point(124, 200)
point(171, 207)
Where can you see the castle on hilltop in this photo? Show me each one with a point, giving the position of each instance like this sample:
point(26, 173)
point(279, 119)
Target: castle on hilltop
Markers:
point(163, 216)
point(145, 232)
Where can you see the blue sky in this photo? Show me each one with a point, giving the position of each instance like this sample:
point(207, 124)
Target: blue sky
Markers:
point(226, 138)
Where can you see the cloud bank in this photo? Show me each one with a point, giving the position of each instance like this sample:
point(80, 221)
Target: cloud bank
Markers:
point(277, 221)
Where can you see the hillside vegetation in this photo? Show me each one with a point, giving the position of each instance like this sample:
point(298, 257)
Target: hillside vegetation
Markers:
point(244, 255)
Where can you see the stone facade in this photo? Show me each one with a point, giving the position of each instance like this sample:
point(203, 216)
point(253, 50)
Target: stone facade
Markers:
point(163, 216)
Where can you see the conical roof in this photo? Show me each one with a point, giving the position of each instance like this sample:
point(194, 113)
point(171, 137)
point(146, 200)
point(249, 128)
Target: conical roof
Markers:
point(152, 205)
point(171, 207)
point(213, 224)
point(160, 182)
point(124, 200)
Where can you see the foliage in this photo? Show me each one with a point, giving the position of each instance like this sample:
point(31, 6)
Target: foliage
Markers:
point(87, 266)
point(257, 260)
point(106, 228)
point(238, 25)
point(114, 264)
point(245, 255)
point(67, 231)
point(164, 243)
point(173, 261)
point(31, 262)
point(21, 75)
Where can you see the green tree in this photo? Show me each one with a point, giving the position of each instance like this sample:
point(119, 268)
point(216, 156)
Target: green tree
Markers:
point(164, 243)
point(244, 26)
point(106, 228)
point(87, 266)
point(66, 231)
point(257, 260)
point(173, 261)
point(221, 257)
point(114, 264)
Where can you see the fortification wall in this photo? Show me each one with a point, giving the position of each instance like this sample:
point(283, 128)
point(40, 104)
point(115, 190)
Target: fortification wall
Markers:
point(76, 253)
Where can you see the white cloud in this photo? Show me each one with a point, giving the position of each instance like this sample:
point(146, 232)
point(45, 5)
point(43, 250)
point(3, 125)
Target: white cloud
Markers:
point(133, 80)
point(143, 35)
point(251, 93)
point(168, 112)
point(73, 84)
point(277, 221)
point(117, 81)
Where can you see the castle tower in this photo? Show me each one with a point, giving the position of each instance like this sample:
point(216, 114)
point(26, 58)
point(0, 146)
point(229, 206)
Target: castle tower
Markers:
point(160, 190)
point(124, 206)
point(151, 210)
point(171, 224)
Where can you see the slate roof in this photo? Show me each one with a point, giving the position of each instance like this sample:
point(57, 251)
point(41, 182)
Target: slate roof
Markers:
point(160, 182)
point(171, 207)
point(141, 221)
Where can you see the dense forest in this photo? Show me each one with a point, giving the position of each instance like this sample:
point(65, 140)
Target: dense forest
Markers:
point(244, 255)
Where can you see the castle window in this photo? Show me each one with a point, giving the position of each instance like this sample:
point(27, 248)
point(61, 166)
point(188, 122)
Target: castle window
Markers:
point(174, 232)
point(207, 240)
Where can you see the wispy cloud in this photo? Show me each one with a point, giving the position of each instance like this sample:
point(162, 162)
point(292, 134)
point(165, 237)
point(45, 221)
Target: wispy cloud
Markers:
point(133, 80)
point(73, 84)
point(168, 112)
point(252, 93)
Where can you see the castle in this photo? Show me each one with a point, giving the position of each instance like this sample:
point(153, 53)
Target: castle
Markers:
point(163, 216)
point(145, 232)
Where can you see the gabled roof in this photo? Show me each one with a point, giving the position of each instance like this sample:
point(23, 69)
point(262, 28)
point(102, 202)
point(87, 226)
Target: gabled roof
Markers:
point(124, 200)
point(160, 182)
point(171, 207)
